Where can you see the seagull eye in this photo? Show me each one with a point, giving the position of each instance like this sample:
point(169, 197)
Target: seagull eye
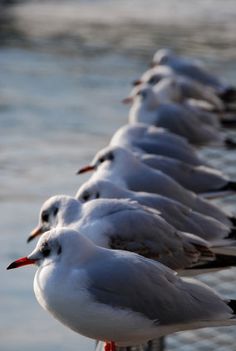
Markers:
point(45, 217)
point(111, 156)
point(45, 250)
point(102, 159)
point(85, 197)
point(152, 80)
point(164, 60)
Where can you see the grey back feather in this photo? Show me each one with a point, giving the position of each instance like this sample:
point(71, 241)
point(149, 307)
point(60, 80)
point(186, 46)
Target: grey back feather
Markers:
point(129, 281)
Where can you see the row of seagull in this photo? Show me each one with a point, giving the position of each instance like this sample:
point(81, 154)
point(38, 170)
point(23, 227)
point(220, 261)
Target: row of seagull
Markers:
point(108, 258)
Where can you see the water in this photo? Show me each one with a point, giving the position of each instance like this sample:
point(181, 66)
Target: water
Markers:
point(64, 69)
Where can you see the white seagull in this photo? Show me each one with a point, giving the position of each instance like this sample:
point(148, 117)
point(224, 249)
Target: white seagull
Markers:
point(178, 215)
point(122, 167)
point(178, 119)
point(145, 138)
point(117, 296)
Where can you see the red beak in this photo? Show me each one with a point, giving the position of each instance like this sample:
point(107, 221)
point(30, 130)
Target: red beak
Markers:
point(86, 169)
point(23, 261)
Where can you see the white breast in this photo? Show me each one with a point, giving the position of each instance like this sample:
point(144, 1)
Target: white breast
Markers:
point(66, 297)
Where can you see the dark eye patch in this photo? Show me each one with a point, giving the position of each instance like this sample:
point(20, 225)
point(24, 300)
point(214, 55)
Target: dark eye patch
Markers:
point(85, 197)
point(55, 211)
point(97, 195)
point(111, 156)
point(45, 216)
point(45, 250)
point(153, 80)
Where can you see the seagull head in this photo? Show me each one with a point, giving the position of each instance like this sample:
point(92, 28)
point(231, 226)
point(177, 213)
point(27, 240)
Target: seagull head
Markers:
point(105, 155)
point(154, 75)
point(143, 96)
point(99, 189)
point(162, 57)
point(110, 157)
point(59, 209)
point(168, 90)
point(58, 244)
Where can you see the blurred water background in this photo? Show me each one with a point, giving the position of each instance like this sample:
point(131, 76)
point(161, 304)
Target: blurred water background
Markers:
point(64, 68)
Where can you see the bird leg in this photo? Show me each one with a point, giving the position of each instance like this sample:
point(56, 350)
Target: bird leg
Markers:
point(110, 346)
point(107, 346)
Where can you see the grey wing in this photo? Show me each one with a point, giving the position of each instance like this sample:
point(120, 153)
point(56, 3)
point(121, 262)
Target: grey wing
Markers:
point(194, 90)
point(166, 149)
point(173, 212)
point(154, 133)
point(184, 218)
point(184, 123)
point(143, 231)
point(128, 281)
point(198, 73)
point(197, 179)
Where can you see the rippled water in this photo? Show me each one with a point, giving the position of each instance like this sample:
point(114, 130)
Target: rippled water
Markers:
point(64, 68)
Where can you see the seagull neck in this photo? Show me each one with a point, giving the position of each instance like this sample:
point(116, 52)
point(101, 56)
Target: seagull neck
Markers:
point(70, 214)
point(117, 192)
point(143, 114)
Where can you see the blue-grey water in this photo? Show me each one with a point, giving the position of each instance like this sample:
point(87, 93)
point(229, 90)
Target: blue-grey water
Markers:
point(64, 68)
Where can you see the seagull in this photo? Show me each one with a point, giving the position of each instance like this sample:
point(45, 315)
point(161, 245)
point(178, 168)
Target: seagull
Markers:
point(200, 179)
point(177, 118)
point(127, 225)
point(118, 297)
point(175, 88)
point(169, 92)
point(193, 69)
point(122, 167)
point(179, 216)
point(143, 138)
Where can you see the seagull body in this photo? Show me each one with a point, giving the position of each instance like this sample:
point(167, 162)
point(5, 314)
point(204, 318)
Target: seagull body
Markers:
point(153, 140)
point(120, 166)
point(175, 213)
point(80, 285)
point(178, 119)
point(199, 179)
point(207, 117)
